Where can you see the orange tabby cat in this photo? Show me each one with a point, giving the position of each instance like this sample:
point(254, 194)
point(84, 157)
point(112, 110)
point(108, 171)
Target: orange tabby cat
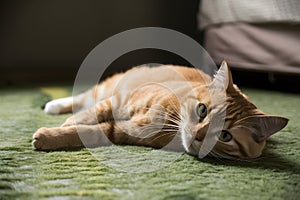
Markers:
point(165, 106)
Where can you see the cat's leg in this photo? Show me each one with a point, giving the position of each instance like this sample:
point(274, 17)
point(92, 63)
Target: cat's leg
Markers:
point(101, 112)
point(79, 136)
point(72, 137)
point(65, 105)
point(103, 134)
point(74, 104)
point(85, 100)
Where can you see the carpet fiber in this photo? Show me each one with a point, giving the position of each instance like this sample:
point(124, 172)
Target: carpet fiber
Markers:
point(116, 172)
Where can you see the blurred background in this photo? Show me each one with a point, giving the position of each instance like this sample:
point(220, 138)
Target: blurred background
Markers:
point(46, 41)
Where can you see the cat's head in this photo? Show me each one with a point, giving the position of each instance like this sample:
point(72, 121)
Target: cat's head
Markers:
point(220, 121)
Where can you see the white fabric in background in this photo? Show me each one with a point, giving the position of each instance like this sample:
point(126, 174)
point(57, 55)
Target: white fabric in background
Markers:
point(252, 11)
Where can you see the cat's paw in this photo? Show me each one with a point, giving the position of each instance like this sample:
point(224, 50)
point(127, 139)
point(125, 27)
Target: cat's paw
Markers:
point(52, 108)
point(42, 140)
point(59, 106)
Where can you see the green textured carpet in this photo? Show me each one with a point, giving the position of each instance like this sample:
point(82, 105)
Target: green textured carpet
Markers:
point(28, 174)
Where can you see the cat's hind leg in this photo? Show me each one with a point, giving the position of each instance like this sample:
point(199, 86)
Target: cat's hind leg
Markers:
point(70, 104)
point(101, 91)
point(59, 106)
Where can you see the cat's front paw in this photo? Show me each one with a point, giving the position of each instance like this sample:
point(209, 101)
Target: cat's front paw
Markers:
point(42, 140)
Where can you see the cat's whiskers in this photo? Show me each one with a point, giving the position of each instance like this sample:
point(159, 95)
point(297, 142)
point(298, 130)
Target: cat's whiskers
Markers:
point(169, 112)
point(169, 115)
point(166, 117)
point(161, 126)
point(167, 134)
point(166, 124)
point(170, 130)
point(143, 132)
point(167, 129)
point(213, 154)
point(229, 157)
point(170, 118)
point(221, 155)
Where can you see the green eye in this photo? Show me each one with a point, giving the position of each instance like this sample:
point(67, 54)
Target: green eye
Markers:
point(201, 110)
point(225, 136)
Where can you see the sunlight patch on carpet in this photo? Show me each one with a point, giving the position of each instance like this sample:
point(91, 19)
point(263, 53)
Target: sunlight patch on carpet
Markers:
point(55, 92)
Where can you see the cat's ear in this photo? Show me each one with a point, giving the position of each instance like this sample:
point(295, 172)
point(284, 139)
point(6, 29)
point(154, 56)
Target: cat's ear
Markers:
point(262, 126)
point(223, 78)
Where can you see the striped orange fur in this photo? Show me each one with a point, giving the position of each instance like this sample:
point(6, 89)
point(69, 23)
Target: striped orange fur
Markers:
point(168, 107)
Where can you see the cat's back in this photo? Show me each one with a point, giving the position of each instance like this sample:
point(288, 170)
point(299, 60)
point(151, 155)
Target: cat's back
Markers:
point(165, 73)
point(171, 76)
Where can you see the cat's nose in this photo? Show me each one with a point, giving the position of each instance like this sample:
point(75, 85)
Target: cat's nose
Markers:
point(199, 133)
point(200, 136)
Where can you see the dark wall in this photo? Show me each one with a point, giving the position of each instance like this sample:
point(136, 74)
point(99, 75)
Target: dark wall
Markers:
point(50, 36)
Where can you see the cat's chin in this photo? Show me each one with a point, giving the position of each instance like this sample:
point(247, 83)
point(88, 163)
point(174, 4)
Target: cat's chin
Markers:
point(190, 145)
point(194, 148)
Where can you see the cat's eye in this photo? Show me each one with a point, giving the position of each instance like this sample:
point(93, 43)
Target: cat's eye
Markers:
point(225, 136)
point(201, 110)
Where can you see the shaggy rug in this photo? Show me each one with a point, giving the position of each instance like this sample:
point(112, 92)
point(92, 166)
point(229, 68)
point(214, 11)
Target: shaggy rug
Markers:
point(128, 172)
